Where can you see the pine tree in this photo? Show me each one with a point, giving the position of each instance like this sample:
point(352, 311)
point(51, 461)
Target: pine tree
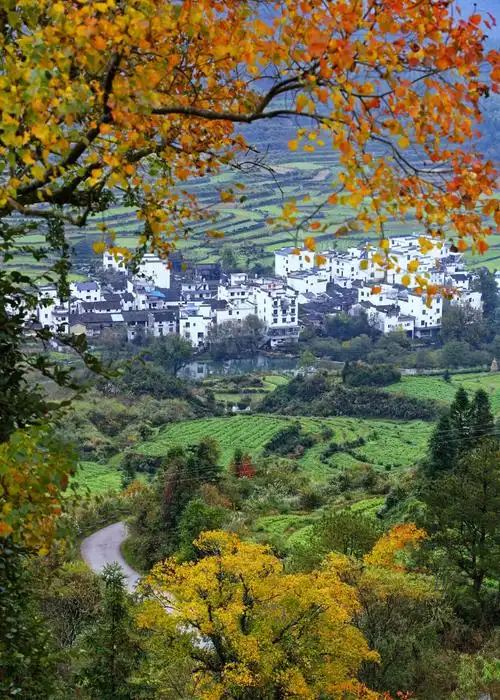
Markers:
point(483, 421)
point(111, 652)
point(460, 415)
point(443, 450)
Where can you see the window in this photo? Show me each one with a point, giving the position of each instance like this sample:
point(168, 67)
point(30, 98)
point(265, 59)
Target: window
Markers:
point(187, 324)
point(200, 336)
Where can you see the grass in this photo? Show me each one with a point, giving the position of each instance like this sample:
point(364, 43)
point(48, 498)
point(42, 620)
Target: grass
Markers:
point(96, 478)
point(434, 387)
point(392, 444)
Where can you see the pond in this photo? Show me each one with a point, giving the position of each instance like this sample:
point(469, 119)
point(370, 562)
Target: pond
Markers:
point(246, 365)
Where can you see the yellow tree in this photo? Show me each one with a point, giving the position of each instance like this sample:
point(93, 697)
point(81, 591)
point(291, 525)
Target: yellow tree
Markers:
point(133, 97)
point(242, 628)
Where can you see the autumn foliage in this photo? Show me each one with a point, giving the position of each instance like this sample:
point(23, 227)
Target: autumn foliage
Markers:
point(34, 472)
point(267, 633)
point(133, 98)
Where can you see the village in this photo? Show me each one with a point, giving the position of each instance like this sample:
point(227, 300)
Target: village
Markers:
point(157, 299)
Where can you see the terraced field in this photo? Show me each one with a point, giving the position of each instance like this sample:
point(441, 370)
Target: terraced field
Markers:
point(388, 444)
point(245, 223)
point(436, 388)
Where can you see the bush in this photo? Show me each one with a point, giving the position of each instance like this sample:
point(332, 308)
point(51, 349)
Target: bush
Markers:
point(323, 396)
point(360, 374)
point(291, 440)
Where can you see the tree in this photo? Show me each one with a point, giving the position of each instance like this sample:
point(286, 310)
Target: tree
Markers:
point(111, 651)
point(267, 633)
point(27, 662)
point(35, 467)
point(196, 517)
point(482, 419)
point(486, 284)
point(463, 323)
point(70, 599)
point(463, 516)
point(171, 352)
point(88, 130)
point(104, 111)
point(454, 433)
point(307, 359)
point(343, 532)
point(228, 258)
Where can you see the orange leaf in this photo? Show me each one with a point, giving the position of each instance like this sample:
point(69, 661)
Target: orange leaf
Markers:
point(315, 225)
point(310, 243)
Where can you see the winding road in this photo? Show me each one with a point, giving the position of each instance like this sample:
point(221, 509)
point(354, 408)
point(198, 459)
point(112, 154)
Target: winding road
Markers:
point(103, 547)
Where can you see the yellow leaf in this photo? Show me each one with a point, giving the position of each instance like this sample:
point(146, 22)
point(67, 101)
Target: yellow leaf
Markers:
point(404, 142)
point(405, 280)
point(363, 265)
point(413, 265)
point(310, 243)
point(293, 145)
point(98, 247)
point(384, 243)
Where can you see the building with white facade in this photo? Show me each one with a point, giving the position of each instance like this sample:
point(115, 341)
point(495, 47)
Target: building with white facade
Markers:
point(151, 270)
point(287, 261)
point(277, 306)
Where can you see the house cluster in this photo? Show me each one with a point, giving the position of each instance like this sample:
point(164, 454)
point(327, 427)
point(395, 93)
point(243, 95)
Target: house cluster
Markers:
point(346, 281)
point(155, 300)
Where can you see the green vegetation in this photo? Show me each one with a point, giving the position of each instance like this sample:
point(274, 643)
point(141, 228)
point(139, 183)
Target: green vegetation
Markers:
point(436, 388)
point(96, 478)
point(387, 443)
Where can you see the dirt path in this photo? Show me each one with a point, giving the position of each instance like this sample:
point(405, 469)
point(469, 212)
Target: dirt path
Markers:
point(103, 547)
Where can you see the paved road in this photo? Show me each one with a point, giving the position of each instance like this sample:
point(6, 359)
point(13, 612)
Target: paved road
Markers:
point(103, 547)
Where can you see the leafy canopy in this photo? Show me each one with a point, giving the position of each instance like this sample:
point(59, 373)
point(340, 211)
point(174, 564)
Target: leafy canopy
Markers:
point(99, 98)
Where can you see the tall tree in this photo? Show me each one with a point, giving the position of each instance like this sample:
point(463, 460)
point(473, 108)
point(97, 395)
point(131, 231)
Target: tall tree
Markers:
point(266, 633)
point(453, 434)
point(27, 660)
point(463, 516)
point(111, 651)
point(482, 419)
point(486, 284)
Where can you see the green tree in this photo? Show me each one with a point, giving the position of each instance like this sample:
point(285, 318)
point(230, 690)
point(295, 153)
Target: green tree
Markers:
point(228, 258)
point(462, 322)
point(111, 651)
point(307, 359)
point(344, 532)
point(27, 661)
point(171, 352)
point(453, 434)
point(486, 284)
point(70, 599)
point(463, 516)
point(197, 517)
point(482, 419)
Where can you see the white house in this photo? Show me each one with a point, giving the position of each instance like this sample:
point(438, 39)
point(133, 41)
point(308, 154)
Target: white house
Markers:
point(427, 317)
point(287, 261)
point(237, 310)
point(277, 306)
point(387, 295)
point(308, 281)
point(474, 299)
point(85, 291)
point(193, 325)
point(390, 321)
point(151, 269)
point(162, 323)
